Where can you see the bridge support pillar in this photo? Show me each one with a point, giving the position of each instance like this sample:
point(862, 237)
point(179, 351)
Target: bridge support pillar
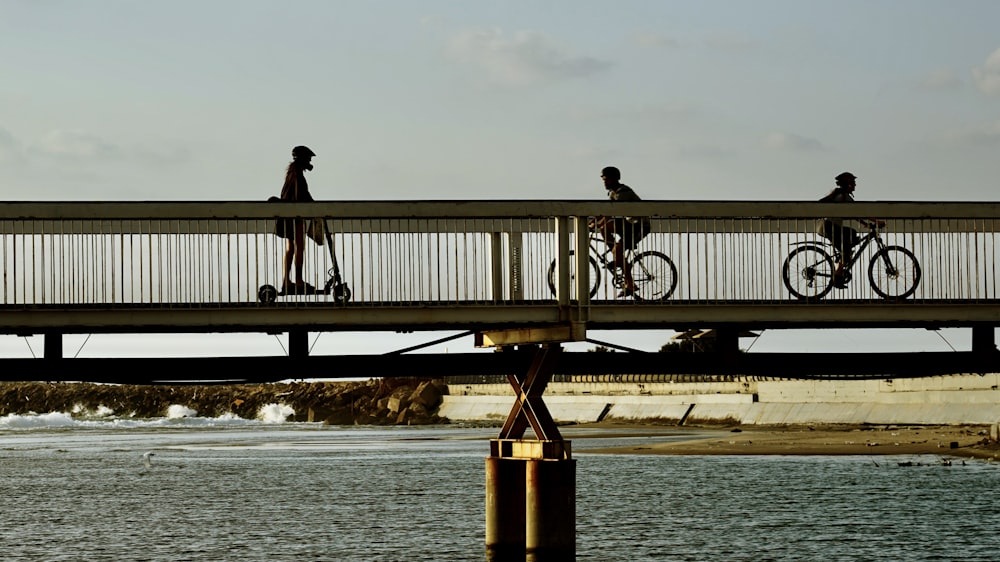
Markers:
point(53, 346)
point(983, 341)
point(984, 348)
point(550, 506)
point(727, 341)
point(298, 343)
point(530, 500)
point(531, 483)
point(505, 508)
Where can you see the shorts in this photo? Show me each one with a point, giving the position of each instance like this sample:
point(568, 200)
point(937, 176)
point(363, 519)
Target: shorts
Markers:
point(286, 228)
point(842, 237)
point(631, 233)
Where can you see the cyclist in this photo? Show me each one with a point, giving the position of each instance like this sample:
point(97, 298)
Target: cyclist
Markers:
point(843, 237)
point(621, 233)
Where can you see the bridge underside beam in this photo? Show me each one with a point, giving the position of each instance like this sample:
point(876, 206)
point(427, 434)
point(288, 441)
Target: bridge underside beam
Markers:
point(174, 370)
point(536, 316)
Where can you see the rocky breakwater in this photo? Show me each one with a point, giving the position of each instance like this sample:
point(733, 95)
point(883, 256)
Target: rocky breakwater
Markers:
point(371, 402)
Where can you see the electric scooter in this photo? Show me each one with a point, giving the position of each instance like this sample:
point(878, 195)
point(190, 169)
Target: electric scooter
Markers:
point(334, 285)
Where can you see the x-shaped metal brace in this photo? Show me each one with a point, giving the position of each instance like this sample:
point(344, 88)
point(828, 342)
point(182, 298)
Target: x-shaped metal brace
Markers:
point(529, 409)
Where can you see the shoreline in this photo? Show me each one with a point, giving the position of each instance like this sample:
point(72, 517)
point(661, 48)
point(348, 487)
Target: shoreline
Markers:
point(965, 441)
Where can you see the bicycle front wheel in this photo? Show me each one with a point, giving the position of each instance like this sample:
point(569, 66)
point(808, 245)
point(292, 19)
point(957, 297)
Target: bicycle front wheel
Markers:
point(595, 276)
point(655, 276)
point(894, 273)
point(808, 273)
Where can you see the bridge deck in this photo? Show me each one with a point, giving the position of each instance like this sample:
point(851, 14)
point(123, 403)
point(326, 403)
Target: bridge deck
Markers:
point(435, 316)
point(106, 267)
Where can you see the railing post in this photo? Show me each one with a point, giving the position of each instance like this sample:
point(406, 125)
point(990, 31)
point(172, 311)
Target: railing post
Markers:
point(562, 261)
point(497, 266)
point(582, 263)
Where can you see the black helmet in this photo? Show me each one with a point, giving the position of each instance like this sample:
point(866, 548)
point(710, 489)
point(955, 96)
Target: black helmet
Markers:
point(611, 172)
point(302, 152)
point(845, 176)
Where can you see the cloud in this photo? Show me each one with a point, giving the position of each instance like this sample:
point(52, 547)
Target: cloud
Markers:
point(655, 114)
point(8, 145)
point(430, 20)
point(939, 80)
point(161, 155)
point(987, 77)
point(705, 152)
point(525, 58)
point(788, 141)
point(987, 135)
point(74, 144)
point(731, 42)
point(656, 40)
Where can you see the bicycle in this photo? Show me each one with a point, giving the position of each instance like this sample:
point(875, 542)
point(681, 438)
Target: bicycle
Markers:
point(893, 271)
point(654, 274)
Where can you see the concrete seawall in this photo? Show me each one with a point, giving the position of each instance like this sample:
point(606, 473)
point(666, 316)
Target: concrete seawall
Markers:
point(958, 399)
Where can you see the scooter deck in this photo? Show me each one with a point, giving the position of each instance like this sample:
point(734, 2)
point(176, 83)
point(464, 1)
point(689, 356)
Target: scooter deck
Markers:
point(301, 290)
point(340, 291)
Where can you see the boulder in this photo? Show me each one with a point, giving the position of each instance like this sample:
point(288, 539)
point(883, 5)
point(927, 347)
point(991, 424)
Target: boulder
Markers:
point(427, 395)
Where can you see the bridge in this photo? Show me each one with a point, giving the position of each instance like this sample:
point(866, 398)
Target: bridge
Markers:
point(520, 275)
point(514, 273)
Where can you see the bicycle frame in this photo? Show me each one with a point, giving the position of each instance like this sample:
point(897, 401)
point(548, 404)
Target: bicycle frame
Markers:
point(809, 270)
point(596, 245)
point(872, 236)
point(602, 251)
point(654, 274)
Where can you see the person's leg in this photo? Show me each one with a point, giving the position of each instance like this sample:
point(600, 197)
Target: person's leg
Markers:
point(852, 237)
point(616, 239)
point(607, 229)
point(630, 239)
point(619, 256)
point(835, 233)
point(300, 246)
point(289, 255)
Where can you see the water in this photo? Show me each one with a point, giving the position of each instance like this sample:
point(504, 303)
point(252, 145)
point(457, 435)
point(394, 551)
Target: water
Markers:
point(231, 489)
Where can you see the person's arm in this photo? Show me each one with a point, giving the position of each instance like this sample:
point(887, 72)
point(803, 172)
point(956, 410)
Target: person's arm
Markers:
point(830, 197)
point(869, 222)
point(304, 189)
point(597, 222)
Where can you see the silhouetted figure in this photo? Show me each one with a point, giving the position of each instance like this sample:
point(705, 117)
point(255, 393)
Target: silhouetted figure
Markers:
point(621, 233)
point(842, 236)
point(296, 189)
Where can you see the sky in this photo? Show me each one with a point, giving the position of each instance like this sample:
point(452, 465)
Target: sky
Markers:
point(117, 100)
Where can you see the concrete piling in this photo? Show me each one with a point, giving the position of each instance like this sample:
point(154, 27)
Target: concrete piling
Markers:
point(505, 512)
point(550, 517)
point(530, 501)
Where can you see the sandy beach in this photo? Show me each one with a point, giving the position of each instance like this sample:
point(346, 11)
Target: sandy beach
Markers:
point(954, 441)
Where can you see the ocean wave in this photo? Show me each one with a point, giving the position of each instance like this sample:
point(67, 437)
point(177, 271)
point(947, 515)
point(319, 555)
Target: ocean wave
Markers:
point(178, 416)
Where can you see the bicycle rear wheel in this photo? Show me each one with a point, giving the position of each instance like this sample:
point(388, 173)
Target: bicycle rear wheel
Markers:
point(894, 272)
point(595, 276)
point(655, 276)
point(808, 272)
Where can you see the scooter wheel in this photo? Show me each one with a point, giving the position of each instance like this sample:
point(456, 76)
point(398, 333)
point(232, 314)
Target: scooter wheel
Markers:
point(267, 294)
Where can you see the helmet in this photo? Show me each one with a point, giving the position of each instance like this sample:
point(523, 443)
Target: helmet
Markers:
point(302, 152)
point(845, 176)
point(611, 172)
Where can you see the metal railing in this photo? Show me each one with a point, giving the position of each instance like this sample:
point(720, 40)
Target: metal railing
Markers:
point(450, 253)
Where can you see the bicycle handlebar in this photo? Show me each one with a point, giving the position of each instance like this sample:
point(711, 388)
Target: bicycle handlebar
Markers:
point(874, 224)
